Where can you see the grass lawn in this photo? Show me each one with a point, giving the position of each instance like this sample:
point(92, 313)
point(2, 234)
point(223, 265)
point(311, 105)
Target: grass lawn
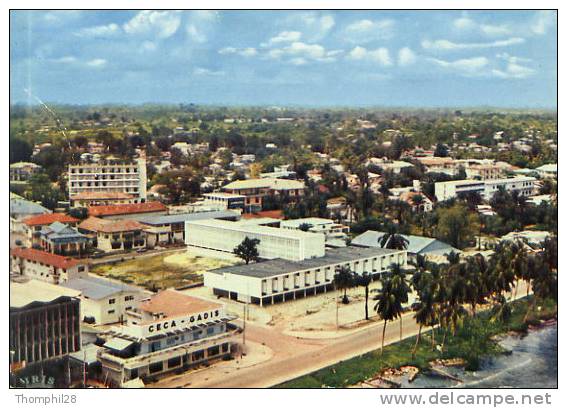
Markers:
point(161, 271)
point(472, 341)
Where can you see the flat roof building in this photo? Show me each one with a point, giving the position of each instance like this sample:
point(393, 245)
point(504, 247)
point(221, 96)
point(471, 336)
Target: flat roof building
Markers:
point(104, 301)
point(109, 175)
point(168, 331)
point(44, 322)
point(445, 190)
point(280, 280)
point(224, 236)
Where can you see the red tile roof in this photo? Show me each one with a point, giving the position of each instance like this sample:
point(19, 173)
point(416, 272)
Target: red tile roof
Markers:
point(46, 219)
point(46, 258)
point(110, 226)
point(172, 303)
point(264, 214)
point(119, 209)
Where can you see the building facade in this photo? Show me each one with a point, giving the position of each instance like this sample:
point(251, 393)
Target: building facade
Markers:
point(44, 322)
point(114, 235)
point(46, 267)
point(278, 280)
point(104, 301)
point(525, 186)
point(224, 236)
point(110, 175)
point(256, 189)
point(23, 171)
point(170, 331)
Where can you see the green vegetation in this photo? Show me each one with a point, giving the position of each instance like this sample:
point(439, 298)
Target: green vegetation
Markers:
point(160, 271)
point(472, 342)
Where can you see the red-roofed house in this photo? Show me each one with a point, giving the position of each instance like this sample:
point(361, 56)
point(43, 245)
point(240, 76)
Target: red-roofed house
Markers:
point(45, 266)
point(128, 210)
point(114, 235)
point(33, 225)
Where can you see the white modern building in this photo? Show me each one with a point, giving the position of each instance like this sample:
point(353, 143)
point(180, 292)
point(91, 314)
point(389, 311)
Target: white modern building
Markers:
point(445, 190)
point(109, 176)
point(224, 236)
point(335, 234)
point(104, 301)
point(278, 280)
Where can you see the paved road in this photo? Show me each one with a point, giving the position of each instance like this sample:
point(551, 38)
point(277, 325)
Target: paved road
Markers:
point(294, 357)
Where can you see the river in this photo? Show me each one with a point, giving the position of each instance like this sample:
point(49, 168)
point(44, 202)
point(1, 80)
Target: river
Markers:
point(532, 364)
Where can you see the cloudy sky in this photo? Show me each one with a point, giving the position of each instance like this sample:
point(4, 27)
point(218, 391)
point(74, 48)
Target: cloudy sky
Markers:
point(312, 58)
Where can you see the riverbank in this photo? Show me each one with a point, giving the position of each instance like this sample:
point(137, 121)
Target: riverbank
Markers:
point(476, 338)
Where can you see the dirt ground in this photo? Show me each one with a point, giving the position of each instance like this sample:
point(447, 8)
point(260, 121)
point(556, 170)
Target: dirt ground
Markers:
point(161, 270)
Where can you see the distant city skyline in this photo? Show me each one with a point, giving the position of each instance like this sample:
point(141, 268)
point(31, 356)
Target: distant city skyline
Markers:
point(502, 59)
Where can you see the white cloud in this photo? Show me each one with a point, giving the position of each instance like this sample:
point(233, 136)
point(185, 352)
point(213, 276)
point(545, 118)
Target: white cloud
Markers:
point(300, 53)
point(513, 68)
point(362, 31)
point(285, 36)
point(207, 72)
point(466, 66)
point(199, 24)
point(315, 25)
point(59, 16)
point(149, 46)
point(380, 55)
point(64, 60)
point(244, 52)
point(542, 21)
point(406, 57)
point(99, 31)
point(446, 45)
point(464, 23)
point(160, 24)
point(96, 63)
point(495, 30)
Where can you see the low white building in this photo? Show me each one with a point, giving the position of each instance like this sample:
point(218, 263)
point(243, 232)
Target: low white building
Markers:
point(278, 280)
point(445, 190)
point(335, 234)
point(547, 170)
point(224, 236)
point(105, 301)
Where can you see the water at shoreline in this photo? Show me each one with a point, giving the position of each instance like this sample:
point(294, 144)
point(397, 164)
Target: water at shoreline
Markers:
point(532, 364)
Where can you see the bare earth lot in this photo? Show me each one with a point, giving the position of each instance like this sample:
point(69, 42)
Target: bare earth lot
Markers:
point(161, 270)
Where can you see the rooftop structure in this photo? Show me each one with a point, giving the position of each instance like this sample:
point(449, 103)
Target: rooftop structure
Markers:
point(127, 209)
point(46, 258)
point(416, 245)
point(94, 198)
point(110, 226)
point(46, 219)
point(281, 280)
point(37, 292)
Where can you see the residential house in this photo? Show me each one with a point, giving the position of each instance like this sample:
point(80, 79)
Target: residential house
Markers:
point(111, 235)
point(45, 266)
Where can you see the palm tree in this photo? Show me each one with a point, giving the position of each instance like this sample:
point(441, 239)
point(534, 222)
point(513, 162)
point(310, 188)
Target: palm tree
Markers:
point(399, 283)
point(364, 280)
point(344, 279)
point(392, 240)
point(424, 310)
point(388, 305)
point(501, 311)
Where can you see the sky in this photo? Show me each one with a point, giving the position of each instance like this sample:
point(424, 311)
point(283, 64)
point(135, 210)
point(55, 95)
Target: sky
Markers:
point(297, 58)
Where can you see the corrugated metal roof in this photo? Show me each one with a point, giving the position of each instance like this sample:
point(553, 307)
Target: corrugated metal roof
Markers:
point(98, 288)
point(416, 244)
